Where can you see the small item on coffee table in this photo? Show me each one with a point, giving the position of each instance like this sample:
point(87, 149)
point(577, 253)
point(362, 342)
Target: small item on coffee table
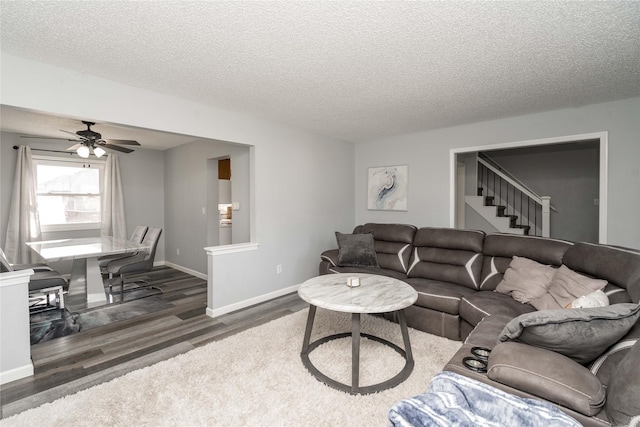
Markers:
point(481, 353)
point(475, 364)
point(353, 282)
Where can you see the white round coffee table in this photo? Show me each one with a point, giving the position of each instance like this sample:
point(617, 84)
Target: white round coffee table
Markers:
point(376, 294)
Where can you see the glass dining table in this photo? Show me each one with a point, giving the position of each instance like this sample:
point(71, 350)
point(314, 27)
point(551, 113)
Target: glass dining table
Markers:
point(86, 287)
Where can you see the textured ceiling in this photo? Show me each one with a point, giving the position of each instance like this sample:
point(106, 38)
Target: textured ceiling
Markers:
point(349, 70)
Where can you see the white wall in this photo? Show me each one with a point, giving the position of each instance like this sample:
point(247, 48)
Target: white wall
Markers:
point(303, 182)
point(427, 154)
point(187, 182)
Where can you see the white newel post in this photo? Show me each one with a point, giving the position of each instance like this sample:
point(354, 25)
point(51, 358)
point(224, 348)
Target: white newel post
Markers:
point(546, 216)
point(15, 341)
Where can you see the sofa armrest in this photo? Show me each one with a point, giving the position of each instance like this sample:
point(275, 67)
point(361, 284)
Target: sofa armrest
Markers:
point(548, 375)
point(331, 256)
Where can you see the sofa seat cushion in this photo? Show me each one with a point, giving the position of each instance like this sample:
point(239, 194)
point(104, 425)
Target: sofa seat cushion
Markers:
point(548, 375)
point(474, 307)
point(440, 296)
point(432, 321)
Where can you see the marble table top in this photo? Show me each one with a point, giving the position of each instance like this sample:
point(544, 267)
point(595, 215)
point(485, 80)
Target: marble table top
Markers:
point(376, 294)
point(87, 247)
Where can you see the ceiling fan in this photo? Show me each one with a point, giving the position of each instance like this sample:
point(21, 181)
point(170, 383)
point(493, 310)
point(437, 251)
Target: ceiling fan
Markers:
point(92, 142)
point(89, 141)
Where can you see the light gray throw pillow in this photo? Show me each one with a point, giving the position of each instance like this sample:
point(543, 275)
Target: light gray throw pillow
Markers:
point(579, 333)
point(526, 279)
point(567, 286)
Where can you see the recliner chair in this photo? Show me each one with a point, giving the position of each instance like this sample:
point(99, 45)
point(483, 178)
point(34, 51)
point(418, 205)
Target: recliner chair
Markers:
point(139, 263)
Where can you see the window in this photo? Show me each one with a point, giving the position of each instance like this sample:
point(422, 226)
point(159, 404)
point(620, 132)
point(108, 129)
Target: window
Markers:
point(68, 193)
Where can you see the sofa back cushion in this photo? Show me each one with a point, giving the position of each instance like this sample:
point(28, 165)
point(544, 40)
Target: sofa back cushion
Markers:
point(619, 266)
point(447, 255)
point(499, 250)
point(392, 243)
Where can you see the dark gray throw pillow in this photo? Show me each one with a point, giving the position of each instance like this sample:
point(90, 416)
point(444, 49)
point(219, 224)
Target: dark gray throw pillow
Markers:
point(356, 250)
point(579, 333)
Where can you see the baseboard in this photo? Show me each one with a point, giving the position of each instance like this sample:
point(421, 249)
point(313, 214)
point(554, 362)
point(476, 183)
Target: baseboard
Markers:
point(16, 373)
point(181, 268)
point(251, 301)
point(235, 306)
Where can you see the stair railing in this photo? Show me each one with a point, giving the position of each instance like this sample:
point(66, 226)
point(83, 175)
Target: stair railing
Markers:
point(520, 203)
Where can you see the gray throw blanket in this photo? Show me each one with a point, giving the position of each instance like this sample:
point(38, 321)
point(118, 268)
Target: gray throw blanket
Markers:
point(455, 400)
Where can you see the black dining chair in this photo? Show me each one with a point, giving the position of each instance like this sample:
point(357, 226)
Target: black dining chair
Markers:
point(138, 263)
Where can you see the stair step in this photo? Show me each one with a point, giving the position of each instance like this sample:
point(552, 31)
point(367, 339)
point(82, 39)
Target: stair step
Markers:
point(488, 200)
point(480, 191)
point(500, 210)
point(525, 228)
point(489, 213)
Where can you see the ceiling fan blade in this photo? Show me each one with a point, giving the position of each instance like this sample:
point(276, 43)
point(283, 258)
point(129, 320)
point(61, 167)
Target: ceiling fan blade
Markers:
point(116, 148)
point(70, 133)
point(74, 147)
point(122, 141)
point(47, 137)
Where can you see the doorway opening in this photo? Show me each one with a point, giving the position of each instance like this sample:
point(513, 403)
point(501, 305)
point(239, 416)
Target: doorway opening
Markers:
point(576, 199)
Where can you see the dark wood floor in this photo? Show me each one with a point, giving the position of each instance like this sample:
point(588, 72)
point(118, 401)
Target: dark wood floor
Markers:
point(72, 363)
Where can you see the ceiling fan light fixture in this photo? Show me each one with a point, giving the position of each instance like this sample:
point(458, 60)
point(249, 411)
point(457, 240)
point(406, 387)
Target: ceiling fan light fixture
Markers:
point(83, 151)
point(99, 152)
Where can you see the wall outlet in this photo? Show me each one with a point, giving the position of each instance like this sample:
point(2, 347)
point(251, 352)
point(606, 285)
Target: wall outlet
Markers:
point(279, 269)
point(178, 251)
point(596, 202)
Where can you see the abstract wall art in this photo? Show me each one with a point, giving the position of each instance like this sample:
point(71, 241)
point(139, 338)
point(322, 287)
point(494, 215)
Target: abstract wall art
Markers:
point(387, 188)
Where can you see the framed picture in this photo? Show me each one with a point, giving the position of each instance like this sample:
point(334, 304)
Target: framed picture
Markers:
point(387, 188)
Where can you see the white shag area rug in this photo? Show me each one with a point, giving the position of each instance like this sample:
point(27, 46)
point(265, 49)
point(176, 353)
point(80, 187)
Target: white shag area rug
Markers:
point(256, 378)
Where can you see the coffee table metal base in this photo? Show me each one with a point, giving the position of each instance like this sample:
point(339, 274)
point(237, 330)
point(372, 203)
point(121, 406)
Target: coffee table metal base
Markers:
point(355, 334)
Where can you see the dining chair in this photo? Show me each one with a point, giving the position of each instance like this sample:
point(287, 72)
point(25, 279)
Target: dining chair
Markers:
point(137, 236)
point(36, 266)
point(138, 263)
point(46, 286)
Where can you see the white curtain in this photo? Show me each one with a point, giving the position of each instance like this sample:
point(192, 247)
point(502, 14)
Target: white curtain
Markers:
point(113, 222)
point(24, 222)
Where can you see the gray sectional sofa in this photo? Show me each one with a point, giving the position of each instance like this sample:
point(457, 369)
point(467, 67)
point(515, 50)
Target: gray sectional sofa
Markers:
point(574, 358)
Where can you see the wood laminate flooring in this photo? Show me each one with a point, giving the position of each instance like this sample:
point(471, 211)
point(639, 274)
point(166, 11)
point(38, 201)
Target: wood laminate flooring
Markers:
point(75, 362)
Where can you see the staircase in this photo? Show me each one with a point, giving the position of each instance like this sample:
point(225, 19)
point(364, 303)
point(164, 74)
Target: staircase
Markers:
point(506, 203)
point(496, 215)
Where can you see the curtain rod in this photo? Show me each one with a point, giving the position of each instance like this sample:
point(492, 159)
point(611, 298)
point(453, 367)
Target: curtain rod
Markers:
point(15, 147)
